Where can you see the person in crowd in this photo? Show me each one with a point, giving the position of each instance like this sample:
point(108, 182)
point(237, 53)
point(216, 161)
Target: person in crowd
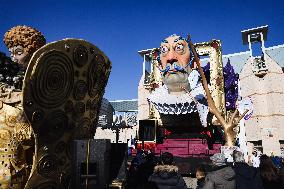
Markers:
point(255, 159)
point(141, 168)
point(146, 169)
point(200, 176)
point(166, 174)
point(282, 172)
point(247, 177)
point(222, 176)
point(269, 173)
point(276, 161)
point(133, 172)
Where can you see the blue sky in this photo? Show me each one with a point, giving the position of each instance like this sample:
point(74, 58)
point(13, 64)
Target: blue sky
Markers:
point(121, 28)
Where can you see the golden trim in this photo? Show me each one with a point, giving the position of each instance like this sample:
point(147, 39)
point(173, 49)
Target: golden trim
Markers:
point(213, 50)
point(87, 161)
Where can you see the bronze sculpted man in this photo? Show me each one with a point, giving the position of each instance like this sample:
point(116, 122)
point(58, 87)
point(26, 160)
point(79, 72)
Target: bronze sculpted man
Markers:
point(62, 92)
point(22, 42)
point(15, 131)
point(62, 89)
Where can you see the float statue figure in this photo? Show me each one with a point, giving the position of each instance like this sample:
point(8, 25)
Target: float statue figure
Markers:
point(175, 62)
point(15, 131)
point(22, 42)
point(185, 89)
point(58, 102)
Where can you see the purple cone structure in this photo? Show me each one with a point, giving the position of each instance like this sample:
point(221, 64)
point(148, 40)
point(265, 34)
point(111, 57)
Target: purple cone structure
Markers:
point(231, 83)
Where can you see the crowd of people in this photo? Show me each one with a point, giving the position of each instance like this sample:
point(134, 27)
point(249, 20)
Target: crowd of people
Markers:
point(149, 172)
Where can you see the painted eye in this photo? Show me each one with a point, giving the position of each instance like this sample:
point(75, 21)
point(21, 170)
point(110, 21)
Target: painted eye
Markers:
point(19, 52)
point(164, 49)
point(179, 47)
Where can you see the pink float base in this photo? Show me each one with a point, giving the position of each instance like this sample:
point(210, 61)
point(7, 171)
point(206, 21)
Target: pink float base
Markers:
point(182, 147)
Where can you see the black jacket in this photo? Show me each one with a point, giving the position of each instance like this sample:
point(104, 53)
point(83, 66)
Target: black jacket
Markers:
point(200, 183)
point(282, 176)
point(247, 177)
point(166, 177)
point(273, 184)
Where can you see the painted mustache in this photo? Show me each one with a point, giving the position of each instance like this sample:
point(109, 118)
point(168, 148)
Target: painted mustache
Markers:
point(176, 68)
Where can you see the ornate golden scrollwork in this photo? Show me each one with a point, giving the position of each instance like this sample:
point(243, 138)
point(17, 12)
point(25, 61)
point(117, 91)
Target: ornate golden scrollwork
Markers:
point(14, 131)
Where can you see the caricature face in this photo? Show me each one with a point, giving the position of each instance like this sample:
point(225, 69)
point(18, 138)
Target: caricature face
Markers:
point(174, 51)
point(174, 59)
point(19, 55)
